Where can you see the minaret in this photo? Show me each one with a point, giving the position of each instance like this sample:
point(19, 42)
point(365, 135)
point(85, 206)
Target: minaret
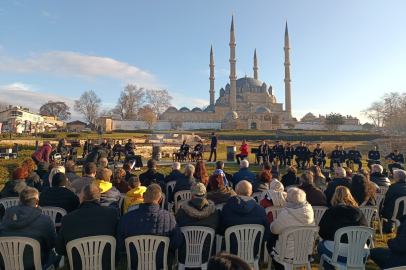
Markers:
point(233, 76)
point(211, 78)
point(288, 80)
point(255, 65)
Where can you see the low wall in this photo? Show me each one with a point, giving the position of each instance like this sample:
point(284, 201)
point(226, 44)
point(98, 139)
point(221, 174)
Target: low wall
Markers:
point(322, 127)
point(161, 125)
point(386, 146)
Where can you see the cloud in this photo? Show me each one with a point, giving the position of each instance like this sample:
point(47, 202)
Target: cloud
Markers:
point(180, 100)
point(1, 47)
point(72, 64)
point(18, 87)
point(49, 15)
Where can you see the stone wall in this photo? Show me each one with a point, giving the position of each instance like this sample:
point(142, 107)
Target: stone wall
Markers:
point(386, 146)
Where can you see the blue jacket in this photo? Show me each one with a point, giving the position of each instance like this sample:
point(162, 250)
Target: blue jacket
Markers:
point(243, 210)
point(148, 219)
point(173, 176)
point(111, 198)
point(243, 174)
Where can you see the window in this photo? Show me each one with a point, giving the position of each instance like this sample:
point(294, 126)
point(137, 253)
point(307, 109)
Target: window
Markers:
point(253, 125)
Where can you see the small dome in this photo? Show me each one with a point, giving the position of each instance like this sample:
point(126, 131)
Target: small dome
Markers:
point(209, 108)
point(309, 115)
point(184, 109)
point(263, 110)
point(172, 109)
point(196, 109)
point(232, 114)
point(350, 117)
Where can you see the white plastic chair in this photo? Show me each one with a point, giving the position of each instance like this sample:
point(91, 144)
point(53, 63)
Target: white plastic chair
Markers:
point(195, 237)
point(121, 202)
point(276, 210)
point(246, 235)
point(133, 207)
point(12, 251)
point(383, 190)
point(370, 212)
point(303, 236)
point(323, 188)
point(146, 247)
point(396, 268)
point(397, 223)
point(357, 238)
point(91, 250)
point(220, 206)
point(379, 200)
point(318, 212)
point(9, 202)
point(256, 196)
point(219, 238)
point(184, 195)
point(53, 212)
point(163, 200)
point(396, 210)
point(170, 185)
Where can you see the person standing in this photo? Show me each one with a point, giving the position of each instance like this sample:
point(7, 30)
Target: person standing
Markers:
point(244, 151)
point(129, 148)
point(213, 147)
point(106, 144)
point(43, 153)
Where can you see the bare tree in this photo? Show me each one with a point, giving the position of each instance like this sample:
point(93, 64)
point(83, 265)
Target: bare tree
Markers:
point(159, 100)
point(147, 115)
point(131, 99)
point(3, 105)
point(88, 105)
point(376, 112)
point(56, 108)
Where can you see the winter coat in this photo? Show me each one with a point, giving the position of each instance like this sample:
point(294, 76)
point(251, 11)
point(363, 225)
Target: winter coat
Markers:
point(394, 192)
point(398, 247)
point(197, 212)
point(173, 176)
point(379, 179)
point(13, 188)
point(90, 219)
point(184, 183)
point(293, 217)
point(79, 183)
point(71, 176)
point(128, 175)
point(123, 186)
point(34, 181)
point(96, 154)
point(110, 196)
point(152, 174)
point(149, 182)
point(331, 188)
point(42, 153)
point(314, 196)
point(243, 174)
point(220, 195)
point(244, 149)
point(289, 179)
point(338, 217)
point(273, 198)
point(59, 197)
point(134, 196)
point(155, 221)
point(45, 181)
point(214, 142)
point(25, 221)
point(259, 185)
point(243, 210)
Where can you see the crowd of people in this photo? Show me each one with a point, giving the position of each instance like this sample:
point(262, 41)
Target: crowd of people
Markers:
point(95, 206)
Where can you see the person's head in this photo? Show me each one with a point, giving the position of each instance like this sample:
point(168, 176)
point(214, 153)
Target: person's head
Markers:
point(130, 140)
point(303, 144)
point(59, 169)
point(104, 174)
point(348, 171)
point(216, 181)
point(104, 162)
point(316, 170)
point(354, 148)
point(220, 165)
point(213, 134)
point(134, 182)
point(105, 140)
point(189, 170)
point(184, 142)
point(318, 146)
point(306, 178)
point(399, 175)
point(153, 194)
point(296, 196)
point(361, 188)
point(198, 191)
point(373, 148)
point(277, 142)
point(244, 188)
point(244, 164)
point(263, 142)
point(266, 176)
point(90, 169)
point(59, 180)
point(243, 141)
point(364, 173)
point(341, 147)
point(225, 261)
point(276, 185)
point(266, 166)
point(376, 168)
point(29, 197)
point(396, 151)
point(151, 164)
point(201, 172)
point(43, 166)
point(117, 142)
point(340, 173)
point(29, 164)
point(70, 166)
point(127, 166)
point(119, 176)
point(90, 192)
point(343, 195)
point(64, 142)
point(176, 166)
point(291, 169)
point(89, 141)
point(288, 144)
point(20, 173)
point(53, 165)
point(337, 147)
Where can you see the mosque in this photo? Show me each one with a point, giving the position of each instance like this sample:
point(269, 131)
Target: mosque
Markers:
point(245, 103)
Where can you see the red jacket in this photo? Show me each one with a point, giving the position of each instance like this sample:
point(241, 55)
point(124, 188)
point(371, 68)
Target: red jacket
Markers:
point(244, 149)
point(43, 153)
point(265, 203)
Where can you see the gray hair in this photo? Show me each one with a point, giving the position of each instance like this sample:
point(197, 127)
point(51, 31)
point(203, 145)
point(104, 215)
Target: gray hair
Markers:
point(176, 166)
point(244, 164)
point(340, 171)
point(306, 178)
point(244, 188)
point(296, 196)
point(103, 162)
point(189, 169)
point(29, 196)
point(377, 168)
point(91, 192)
point(401, 174)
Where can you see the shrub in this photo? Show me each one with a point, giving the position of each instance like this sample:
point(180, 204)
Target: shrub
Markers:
point(73, 135)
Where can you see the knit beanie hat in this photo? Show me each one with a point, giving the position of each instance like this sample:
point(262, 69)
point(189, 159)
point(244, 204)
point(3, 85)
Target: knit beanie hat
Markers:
point(276, 185)
point(43, 166)
point(59, 169)
point(104, 174)
point(216, 181)
point(59, 180)
point(198, 190)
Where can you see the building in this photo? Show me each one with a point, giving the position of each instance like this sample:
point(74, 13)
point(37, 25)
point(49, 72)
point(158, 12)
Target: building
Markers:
point(16, 119)
point(53, 123)
point(244, 103)
point(76, 126)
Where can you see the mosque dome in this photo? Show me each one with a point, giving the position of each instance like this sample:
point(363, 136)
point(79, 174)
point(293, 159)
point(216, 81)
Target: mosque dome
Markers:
point(196, 109)
point(263, 110)
point(247, 80)
point(232, 114)
point(184, 109)
point(309, 115)
point(172, 109)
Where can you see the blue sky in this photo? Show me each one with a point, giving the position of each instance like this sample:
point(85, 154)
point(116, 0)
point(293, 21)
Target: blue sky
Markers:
point(345, 54)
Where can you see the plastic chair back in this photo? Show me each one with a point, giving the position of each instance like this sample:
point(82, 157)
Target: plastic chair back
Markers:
point(53, 212)
point(133, 207)
point(146, 247)
point(369, 213)
point(181, 196)
point(246, 235)
point(121, 202)
point(318, 213)
point(12, 251)
point(256, 196)
point(195, 237)
point(397, 204)
point(9, 202)
point(163, 200)
point(276, 210)
point(323, 188)
point(379, 200)
point(383, 190)
point(170, 185)
point(91, 250)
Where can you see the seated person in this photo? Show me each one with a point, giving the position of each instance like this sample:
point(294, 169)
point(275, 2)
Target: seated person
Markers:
point(262, 183)
point(27, 220)
point(102, 164)
point(119, 181)
point(175, 174)
point(135, 195)
point(396, 157)
point(263, 152)
point(42, 169)
point(13, 187)
point(184, 183)
point(110, 196)
point(156, 221)
point(302, 155)
point(64, 150)
point(289, 153)
point(374, 157)
point(290, 178)
point(314, 195)
point(298, 212)
point(343, 154)
point(183, 152)
point(378, 177)
point(318, 177)
point(319, 156)
point(70, 171)
point(45, 176)
point(106, 144)
point(200, 173)
point(81, 223)
point(362, 191)
point(340, 179)
point(198, 151)
point(219, 193)
point(89, 173)
point(88, 147)
point(129, 148)
point(152, 173)
point(117, 150)
point(355, 156)
point(225, 261)
point(244, 173)
point(274, 196)
point(244, 151)
point(197, 212)
point(279, 152)
point(220, 170)
point(335, 157)
point(343, 213)
point(33, 179)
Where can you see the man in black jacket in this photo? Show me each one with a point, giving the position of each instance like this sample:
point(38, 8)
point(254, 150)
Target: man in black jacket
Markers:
point(397, 157)
point(129, 148)
point(314, 195)
point(106, 144)
point(88, 147)
point(175, 174)
point(213, 146)
point(355, 156)
point(152, 173)
point(374, 157)
point(339, 180)
point(184, 183)
point(335, 157)
point(90, 219)
point(263, 151)
point(378, 177)
point(64, 150)
point(319, 156)
point(97, 153)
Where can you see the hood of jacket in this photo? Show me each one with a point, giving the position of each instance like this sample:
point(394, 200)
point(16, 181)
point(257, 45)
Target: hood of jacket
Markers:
point(103, 185)
point(19, 217)
point(150, 174)
point(241, 204)
point(16, 185)
point(137, 192)
point(303, 213)
point(346, 213)
point(198, 208)
point(278, 197)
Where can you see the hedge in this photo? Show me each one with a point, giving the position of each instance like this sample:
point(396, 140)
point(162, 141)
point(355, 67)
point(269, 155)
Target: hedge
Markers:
point(73, 135)
point(365, 137)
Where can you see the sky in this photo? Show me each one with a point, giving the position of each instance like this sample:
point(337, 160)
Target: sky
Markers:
point(344, 54)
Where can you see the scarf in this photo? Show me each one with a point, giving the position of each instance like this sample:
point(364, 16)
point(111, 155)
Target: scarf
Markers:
point(295, 205)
